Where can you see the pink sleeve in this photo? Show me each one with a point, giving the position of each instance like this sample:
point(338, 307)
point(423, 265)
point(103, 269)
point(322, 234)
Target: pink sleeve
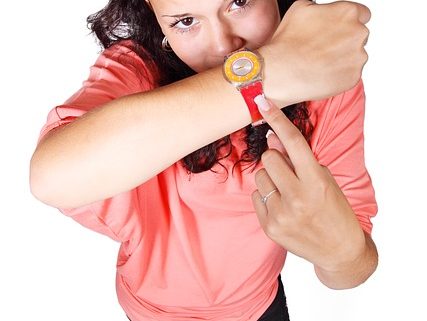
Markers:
point(118, 71)
point(118, 217)
point(338, 143)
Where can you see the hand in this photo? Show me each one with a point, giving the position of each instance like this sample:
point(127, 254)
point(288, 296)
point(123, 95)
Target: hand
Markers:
point(316, 52)
point(308, 214)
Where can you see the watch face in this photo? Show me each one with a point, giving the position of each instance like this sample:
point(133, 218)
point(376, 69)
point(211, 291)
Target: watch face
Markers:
point(241, 67)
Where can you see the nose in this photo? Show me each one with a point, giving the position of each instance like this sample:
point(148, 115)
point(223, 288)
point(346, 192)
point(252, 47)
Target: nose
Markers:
point(224, 39)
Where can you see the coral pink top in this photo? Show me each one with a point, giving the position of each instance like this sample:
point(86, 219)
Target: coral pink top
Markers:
point(191, 246)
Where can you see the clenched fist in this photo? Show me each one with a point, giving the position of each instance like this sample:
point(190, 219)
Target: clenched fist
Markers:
point(317, 51)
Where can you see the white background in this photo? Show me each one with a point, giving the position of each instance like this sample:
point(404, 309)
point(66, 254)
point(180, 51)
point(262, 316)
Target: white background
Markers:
point(53, 269)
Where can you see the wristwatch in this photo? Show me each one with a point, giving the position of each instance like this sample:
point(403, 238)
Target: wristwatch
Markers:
point(243, 69)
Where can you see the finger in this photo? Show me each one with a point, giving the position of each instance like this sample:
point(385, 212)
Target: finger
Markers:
point(265, 187)
point(260, 209)
point(281, 172)
point(364, 13)
point(273, 142)
point(360, 11)
point(365, 35)
point(365, 42)
point(294, 142)
point(305, 3)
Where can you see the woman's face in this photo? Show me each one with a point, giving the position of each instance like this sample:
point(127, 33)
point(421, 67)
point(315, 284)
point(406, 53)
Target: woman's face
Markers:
point(201, 33)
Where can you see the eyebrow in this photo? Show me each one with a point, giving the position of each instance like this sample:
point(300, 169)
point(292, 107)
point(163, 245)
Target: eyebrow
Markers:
point(177, 15)
point(181, 15)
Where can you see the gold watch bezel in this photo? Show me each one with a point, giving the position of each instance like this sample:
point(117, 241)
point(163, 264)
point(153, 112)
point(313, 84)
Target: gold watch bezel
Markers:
point(253, 74)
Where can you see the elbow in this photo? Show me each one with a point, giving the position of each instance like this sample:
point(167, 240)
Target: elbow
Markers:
point(39, 182)
point(55, 185)
point(51, 182)
point(44, 183)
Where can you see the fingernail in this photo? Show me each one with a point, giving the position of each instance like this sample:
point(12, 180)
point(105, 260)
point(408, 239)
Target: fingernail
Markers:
point(262, 103)
point(269, 133)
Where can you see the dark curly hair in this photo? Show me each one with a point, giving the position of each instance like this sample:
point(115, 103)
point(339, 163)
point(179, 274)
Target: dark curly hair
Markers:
point(134, 20)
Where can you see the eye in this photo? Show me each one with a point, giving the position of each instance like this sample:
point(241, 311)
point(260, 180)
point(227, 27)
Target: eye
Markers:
point(238, 4)
point(185, 23)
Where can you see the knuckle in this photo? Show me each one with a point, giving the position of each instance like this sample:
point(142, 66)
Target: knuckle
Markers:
point(359, 58)
point(368, 12)
point(349, 9)
point(364, 57)
point(365, 31)
point(276, 116)
point(261, 176)
point(323, 185)
point(271, 230)
point(255, 196)
point(281, 220)
point(296, 139)
point(298, 205)
point(344, 8)
point(355, 76)
point(364, 34)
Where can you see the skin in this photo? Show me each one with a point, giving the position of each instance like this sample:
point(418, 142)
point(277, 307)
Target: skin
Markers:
point(307, 206)
point(213, 29)
point(99, 155)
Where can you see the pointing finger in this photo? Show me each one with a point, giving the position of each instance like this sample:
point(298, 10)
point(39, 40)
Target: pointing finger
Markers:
point(274, 143)
point(299, 151)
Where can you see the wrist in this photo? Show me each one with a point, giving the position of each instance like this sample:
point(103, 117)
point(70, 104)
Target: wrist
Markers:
point(277, 78)
point(243, 69)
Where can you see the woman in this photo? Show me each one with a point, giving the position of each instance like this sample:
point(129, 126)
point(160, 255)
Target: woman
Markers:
point(158, 151)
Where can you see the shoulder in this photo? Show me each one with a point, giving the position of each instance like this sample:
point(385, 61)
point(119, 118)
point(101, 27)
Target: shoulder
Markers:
point(129, 58)
point(124, 49)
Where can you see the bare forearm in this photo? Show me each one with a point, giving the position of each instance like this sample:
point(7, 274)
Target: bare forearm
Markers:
point(355, 272)
point(131, 139)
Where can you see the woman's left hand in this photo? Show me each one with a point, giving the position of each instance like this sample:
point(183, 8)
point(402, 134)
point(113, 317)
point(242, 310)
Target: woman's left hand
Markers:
point(308, 214)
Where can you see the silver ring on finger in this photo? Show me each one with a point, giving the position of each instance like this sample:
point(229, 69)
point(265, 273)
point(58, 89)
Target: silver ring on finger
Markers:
point(264, 199)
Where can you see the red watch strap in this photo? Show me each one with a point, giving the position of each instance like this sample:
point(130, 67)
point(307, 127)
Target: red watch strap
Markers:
point(249, 92)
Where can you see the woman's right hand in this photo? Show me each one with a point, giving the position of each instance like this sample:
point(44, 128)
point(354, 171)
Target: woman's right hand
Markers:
point(316, 52)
